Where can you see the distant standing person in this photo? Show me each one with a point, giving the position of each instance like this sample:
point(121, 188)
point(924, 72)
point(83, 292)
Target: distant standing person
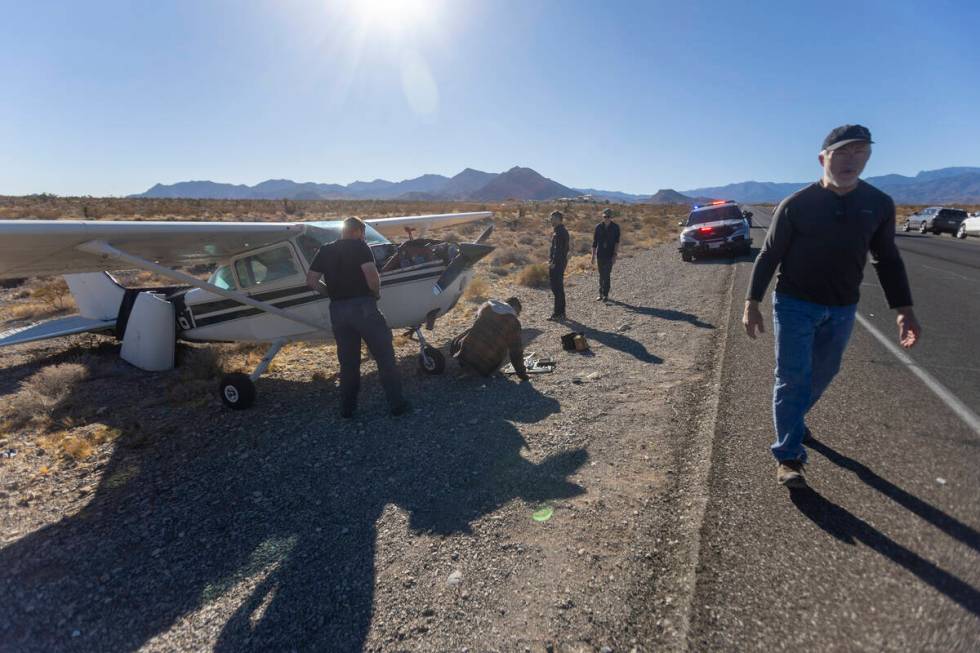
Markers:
point(819, 240)
point(605, 250)
point(354, 287)
point(557, 262)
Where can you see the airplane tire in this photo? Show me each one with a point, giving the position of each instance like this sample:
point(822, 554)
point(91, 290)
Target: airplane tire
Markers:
point(436, 361)
point(237, 391)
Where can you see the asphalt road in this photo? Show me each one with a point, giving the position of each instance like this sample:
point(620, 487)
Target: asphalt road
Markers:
point(883, 551)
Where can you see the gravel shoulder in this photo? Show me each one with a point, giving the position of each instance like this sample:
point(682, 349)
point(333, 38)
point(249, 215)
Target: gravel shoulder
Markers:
point(285, 528)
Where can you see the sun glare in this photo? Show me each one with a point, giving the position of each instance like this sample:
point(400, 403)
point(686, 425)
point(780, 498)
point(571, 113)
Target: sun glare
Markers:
point(393, 15)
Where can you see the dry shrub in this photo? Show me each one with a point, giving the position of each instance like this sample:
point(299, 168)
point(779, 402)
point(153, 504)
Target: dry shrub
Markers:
point(56, 381)
point(509, 256)
point(200, 363)
point(534, 276)
point(477, 291)
point(52, 293)
point(40, 394)
point(78, 444)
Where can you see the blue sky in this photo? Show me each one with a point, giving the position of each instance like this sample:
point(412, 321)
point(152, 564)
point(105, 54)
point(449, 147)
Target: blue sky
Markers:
point(108, 98)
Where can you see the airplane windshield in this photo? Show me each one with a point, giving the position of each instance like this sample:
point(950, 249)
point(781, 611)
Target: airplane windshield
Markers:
point(321, 233)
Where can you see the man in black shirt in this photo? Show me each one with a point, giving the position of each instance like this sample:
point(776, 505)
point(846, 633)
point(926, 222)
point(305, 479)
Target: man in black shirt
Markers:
point(557, 261)
point(354, 287)
point(819, 241)
point(605, 249)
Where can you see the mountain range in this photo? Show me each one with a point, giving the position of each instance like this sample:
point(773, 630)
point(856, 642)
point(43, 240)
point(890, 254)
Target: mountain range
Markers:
point(946, 185)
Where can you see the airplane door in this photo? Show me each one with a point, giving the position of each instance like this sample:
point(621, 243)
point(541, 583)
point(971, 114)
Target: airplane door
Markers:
point(275, 275)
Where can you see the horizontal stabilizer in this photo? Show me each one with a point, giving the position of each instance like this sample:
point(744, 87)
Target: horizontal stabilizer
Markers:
point(64, 326)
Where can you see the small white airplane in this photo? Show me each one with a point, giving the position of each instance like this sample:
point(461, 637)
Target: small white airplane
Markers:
point(257, 293)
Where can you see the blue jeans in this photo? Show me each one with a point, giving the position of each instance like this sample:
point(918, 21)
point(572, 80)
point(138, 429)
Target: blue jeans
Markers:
point(810, 343)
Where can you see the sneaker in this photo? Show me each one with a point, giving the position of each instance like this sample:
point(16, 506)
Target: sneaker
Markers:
point(600, 298)
point(790, 474)
point(401, 409)
point(560, 318)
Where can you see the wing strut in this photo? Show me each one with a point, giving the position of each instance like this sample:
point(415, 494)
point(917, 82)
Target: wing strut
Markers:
point(104, 249)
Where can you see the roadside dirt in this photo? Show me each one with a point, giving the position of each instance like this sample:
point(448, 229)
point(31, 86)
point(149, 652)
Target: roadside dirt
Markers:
point(192, 527)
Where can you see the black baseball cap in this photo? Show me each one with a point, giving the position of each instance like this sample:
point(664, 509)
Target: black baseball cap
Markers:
point(845, 134)
point(607, 213)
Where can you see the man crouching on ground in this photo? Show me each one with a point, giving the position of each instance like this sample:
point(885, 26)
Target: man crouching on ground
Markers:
point(819, 240)
point(495, 335)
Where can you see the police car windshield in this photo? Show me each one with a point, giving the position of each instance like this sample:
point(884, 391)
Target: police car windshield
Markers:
point(726, 212)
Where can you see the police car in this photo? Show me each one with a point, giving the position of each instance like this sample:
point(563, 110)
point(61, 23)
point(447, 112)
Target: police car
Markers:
point(719, 227)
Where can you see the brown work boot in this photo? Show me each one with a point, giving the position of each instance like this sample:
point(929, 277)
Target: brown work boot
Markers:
point(790, 474)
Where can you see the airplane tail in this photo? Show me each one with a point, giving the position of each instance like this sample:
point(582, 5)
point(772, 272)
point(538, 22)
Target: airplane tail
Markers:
point(97, 294)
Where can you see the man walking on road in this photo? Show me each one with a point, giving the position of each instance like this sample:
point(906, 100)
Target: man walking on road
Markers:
point(605, 249)
point(557, 261)
point(819, 240)
point(354, 286)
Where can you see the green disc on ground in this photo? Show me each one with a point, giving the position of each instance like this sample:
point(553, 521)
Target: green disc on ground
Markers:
point(543, 513)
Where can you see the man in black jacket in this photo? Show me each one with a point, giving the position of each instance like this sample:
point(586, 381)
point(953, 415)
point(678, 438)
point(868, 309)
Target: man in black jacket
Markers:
point(605, 249)
point(557, 262)
point(819, 241)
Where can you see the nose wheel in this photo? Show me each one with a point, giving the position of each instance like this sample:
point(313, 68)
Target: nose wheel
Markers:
point(431, 360)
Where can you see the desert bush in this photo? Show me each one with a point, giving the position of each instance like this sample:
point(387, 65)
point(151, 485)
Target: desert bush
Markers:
point(509, 256)
point(56, 381)
point(41, 393)
point(478, 290)
point(534, 276)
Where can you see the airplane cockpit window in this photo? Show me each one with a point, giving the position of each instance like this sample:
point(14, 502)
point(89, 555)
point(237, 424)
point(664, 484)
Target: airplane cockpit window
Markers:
point(321, 233)
point(266, 267)
point(222, 278)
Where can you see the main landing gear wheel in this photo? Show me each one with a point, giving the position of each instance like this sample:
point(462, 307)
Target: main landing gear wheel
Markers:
point(237, 391)
point(431, 361)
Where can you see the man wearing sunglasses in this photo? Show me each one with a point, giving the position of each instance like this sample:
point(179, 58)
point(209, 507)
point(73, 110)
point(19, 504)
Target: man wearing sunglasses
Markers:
point(819, 241)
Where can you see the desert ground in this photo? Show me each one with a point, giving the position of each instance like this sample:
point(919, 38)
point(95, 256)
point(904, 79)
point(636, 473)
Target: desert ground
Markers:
point(557, 515)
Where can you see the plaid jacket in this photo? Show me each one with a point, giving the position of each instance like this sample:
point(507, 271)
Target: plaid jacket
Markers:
point(492, 338)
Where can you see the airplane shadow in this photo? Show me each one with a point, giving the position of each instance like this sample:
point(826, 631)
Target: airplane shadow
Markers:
point(944, 522)
point(846, 527)
point(617, 341)
point(273, 510)
point(664, 314)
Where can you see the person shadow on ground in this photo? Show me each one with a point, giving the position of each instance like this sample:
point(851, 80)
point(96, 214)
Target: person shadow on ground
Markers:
point(846, 527)
point(663, 314)
point(281, 523)
point(941, 520)
point(618, 341)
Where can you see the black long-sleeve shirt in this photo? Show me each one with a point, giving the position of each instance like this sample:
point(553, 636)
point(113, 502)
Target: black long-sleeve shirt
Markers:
point(820, 241)
point(558, 256)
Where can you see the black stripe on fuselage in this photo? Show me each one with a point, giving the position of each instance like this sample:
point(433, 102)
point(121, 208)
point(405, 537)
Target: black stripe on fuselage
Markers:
point(247, 311)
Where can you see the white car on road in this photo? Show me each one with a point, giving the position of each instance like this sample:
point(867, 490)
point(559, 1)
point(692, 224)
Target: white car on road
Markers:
point(970, 226)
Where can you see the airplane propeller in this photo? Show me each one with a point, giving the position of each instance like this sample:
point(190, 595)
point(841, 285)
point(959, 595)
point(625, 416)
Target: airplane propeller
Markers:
point(469, 253)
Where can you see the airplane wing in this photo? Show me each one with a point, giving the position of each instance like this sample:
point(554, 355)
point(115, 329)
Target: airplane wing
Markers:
point(49, 247)
point(65, 326)
point(393, 227)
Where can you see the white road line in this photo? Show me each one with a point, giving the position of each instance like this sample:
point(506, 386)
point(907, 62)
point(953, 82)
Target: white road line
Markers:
point(952, 401)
